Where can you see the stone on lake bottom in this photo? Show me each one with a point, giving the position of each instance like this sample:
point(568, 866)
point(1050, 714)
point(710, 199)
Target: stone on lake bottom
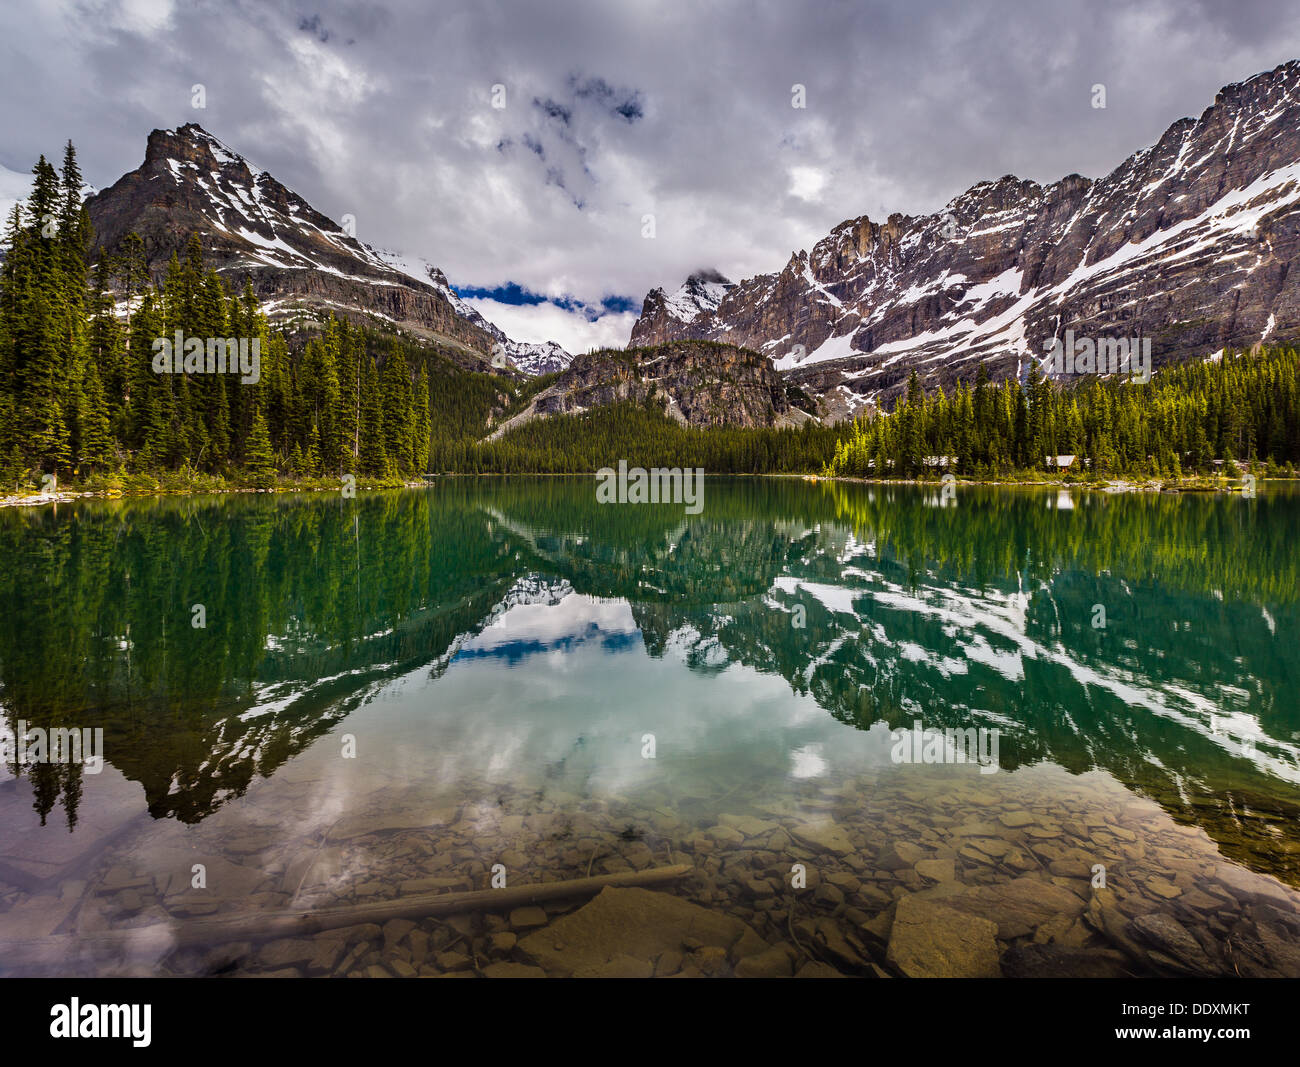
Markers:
point(826, 836)
point(900, 855)
point(1056, 961)
point(774, 963)
point(936, 870)
point(639, 923)
point(624, 967)
point(931, 940)
point(453, 961)
point(527, 918)
point(287, 952)
point(1167, 935)
point(1018, 906)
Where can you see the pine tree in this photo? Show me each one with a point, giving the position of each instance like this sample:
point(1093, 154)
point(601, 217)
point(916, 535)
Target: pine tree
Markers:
point(371, 458)
point(148, 393)
point(421, 422)
point(349, 408)
point(258, 457)
point(398, 437)
point(96, 437)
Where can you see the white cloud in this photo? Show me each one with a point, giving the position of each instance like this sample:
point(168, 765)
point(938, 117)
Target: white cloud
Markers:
point(547, 322)
point(144, 16)
point(807, 183)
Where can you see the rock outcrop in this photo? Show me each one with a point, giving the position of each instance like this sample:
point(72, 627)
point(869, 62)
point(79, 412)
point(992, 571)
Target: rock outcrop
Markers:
point(697, 383)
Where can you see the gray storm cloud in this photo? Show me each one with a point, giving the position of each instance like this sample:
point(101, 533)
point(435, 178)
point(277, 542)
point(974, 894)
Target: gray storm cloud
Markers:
point(615, 112)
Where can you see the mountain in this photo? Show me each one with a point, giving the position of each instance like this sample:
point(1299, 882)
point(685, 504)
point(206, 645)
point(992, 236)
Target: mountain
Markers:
point(666, 317)
point(1189, 242)
point(527, 356)
point(695, 383)
point(298, 259)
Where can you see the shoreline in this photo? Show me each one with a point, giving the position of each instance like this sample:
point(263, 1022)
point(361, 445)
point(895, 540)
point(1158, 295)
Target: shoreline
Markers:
point(1113, 485)
point(1214, 485)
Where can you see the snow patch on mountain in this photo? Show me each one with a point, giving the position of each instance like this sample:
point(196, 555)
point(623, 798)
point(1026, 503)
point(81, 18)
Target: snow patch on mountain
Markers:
point(702, 292)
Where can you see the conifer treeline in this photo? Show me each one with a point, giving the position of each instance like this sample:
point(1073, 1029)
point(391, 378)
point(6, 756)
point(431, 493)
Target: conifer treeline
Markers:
point(1244, 406)
point(644, 436)
point(79, 394)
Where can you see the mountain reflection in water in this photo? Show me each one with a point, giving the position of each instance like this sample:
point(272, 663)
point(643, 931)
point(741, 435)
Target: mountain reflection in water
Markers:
point(1150, 637)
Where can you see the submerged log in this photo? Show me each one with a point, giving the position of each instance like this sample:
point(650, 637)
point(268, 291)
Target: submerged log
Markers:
point(162, 938)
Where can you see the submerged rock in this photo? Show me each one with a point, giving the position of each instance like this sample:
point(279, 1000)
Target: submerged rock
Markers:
point(931, 940)
point(812, 969)
point(624, 967)
point(776, 962)
point(1018, 906)
point(527, 918)
point(825, 836)
point(636, 923)
point(1168, 936)
point(936, 870)
point(747, 824)
point(900, 855)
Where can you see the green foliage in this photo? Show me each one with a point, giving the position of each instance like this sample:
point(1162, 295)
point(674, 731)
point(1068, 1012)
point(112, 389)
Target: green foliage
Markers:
point(645, 437)
point(1186, 417)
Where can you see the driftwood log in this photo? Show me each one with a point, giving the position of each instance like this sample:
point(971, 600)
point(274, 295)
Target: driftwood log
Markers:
point(269, 926)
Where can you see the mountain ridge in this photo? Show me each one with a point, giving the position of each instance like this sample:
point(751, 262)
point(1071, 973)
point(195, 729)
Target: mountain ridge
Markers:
point(1146, 250)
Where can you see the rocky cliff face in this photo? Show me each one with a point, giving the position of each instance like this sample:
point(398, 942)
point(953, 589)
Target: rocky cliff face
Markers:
point(297, 258)
point(696, 383)
point(1190, 243)
point(671, 317)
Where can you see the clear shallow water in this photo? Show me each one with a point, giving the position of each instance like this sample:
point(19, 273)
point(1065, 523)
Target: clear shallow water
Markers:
point(498, 652)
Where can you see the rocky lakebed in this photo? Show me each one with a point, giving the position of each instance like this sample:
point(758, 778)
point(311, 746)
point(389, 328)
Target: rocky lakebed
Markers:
point(917, 874)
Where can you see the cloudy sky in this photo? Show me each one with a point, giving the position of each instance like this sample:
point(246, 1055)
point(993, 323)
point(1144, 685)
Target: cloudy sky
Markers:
point(616, 111)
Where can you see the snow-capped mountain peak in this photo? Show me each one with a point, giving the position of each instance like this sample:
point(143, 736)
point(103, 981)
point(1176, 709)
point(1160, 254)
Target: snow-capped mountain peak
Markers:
point(297, 258)
point(697, 298)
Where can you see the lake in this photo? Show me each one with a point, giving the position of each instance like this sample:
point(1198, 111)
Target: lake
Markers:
point(891, 730)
